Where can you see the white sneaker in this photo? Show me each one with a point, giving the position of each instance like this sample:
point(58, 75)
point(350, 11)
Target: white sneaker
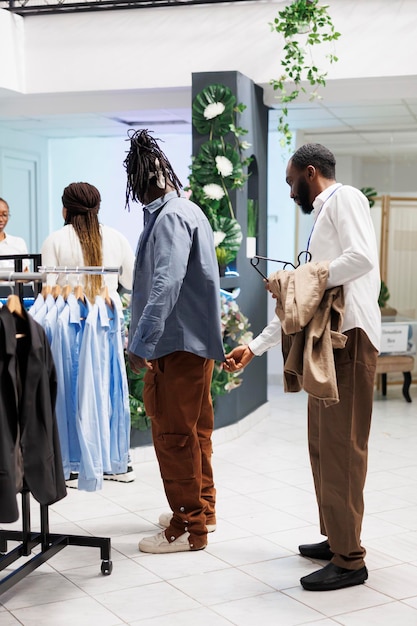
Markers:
point(159, 544)
point(165, 520)
point(127, 477)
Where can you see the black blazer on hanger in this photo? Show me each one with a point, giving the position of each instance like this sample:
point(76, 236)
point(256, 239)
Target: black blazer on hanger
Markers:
point(28, 387)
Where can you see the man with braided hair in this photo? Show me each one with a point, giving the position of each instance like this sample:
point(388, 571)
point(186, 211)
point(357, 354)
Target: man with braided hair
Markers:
point(175, 334)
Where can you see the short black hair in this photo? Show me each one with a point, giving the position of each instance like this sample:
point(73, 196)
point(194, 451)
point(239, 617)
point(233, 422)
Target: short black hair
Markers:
point(317, 155)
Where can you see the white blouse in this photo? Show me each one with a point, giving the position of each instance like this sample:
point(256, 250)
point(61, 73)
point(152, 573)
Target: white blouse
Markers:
point(63, 249)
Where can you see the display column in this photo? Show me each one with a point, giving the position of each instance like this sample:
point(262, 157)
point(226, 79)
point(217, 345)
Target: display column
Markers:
point(252, 300)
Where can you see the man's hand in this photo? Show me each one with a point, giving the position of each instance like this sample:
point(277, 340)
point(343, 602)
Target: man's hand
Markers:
point(238, 358)
point(268, 288)
point(136, 363)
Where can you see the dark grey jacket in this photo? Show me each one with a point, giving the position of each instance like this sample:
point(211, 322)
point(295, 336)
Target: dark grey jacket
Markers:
point(28, 388)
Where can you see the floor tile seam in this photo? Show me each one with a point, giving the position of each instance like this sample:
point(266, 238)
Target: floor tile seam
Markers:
point(243, 597)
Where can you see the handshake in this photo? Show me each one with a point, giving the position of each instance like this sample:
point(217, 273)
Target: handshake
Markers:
point(238, 358)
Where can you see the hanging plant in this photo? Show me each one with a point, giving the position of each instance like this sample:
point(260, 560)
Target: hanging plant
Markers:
point(302, 24)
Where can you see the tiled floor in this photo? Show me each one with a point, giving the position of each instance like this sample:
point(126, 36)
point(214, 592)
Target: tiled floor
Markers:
point(249, 574)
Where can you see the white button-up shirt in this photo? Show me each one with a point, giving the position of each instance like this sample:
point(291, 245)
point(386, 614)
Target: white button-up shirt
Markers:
point(343, 234)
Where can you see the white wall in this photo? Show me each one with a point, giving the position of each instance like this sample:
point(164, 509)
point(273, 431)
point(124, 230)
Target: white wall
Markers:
point(161, 47)
point(394, 176)
point(12, 52)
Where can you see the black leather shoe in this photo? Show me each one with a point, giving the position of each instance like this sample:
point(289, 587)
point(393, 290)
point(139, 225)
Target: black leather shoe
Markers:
point(334, 577)
point(316, 551)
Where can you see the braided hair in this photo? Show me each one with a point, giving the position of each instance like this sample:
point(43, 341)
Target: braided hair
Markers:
point(146, 167)
point(82, 202)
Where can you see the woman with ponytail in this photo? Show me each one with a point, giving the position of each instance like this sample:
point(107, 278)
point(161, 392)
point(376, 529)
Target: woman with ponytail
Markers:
point(83, 241)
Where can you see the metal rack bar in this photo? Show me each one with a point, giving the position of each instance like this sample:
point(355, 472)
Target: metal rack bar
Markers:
point(55, 269)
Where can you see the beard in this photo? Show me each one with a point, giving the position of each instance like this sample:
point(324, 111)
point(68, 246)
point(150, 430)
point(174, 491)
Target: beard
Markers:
point(303, 197)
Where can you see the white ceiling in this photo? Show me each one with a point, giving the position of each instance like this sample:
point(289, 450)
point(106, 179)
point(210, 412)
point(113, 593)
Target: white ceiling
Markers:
point(372, 118)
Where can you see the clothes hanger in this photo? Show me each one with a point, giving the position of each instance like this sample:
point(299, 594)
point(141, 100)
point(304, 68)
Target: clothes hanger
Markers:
point(104, 293)
point(255, 261)
point(66, 290)
point(56, 291)
point(79, 292)
point(14, 305)
point(46, 290)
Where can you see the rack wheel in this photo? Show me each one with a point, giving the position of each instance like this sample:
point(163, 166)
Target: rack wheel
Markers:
point(106, 568)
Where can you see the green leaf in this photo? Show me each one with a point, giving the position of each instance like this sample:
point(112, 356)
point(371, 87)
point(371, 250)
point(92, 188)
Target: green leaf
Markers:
point(220, 125)
point(205, 169)
point(233, 237)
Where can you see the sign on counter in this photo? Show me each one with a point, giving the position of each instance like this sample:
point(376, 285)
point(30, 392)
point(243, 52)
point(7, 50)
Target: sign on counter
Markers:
point(394, 338)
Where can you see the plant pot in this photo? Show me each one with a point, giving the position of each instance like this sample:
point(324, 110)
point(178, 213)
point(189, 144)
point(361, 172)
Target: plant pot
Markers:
point(250, 247)
point(388, 311)
point(303, 28)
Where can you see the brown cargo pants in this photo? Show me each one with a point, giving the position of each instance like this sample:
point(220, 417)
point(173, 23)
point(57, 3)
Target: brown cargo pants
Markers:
point(177, 398)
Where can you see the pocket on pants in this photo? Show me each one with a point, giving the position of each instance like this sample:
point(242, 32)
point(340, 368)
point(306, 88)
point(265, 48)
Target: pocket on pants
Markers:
point(175, 457)
point(149, 393)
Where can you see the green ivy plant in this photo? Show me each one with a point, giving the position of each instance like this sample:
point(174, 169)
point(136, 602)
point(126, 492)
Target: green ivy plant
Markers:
point(303, 24)
point(220, 164)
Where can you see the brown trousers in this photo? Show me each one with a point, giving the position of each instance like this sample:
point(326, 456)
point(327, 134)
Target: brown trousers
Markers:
point(338, 444)
point(177, 398)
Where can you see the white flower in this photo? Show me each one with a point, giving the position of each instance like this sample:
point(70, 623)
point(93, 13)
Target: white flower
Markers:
point(213, 110)
point(218, 237)
point(213, 191)
point(245, 145)
point(224, 166)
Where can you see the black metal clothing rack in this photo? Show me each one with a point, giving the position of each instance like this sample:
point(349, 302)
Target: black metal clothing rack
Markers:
point(50, 543)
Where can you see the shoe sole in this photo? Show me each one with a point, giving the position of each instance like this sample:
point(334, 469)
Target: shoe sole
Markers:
point(152, 550)
point(332, 586)
point(321, 556)
point(167, 549)
point(129, 477)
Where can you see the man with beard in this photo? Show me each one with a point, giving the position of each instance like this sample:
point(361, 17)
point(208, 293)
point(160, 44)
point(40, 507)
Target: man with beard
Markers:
point(342, 235)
